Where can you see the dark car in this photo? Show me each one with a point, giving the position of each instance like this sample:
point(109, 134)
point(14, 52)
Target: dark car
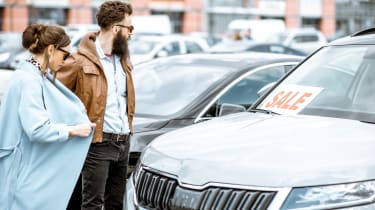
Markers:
point(306, 144)
point(182, 90)
point(10, 46)
point(246, 45)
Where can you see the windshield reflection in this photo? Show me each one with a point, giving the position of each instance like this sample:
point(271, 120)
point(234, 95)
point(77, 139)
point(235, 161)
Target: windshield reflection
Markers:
point(338, 81)
point(165, 88)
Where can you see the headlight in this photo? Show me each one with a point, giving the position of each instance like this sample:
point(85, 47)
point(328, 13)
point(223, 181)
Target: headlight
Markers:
point(136, 171)
point(4, 56)
point(332, 196)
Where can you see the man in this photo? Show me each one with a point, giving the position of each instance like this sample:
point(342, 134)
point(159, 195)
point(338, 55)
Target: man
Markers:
point(100, 75)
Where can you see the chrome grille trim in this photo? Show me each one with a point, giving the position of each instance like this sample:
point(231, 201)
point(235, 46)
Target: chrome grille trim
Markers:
point(214, 184)
point(226, 196)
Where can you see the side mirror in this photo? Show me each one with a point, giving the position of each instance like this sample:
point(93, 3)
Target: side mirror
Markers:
point(230, 108)
point(161, 54)
point(265, 89)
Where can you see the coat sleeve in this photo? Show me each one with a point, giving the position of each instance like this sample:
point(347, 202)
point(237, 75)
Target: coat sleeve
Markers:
point(68, 73)
point(34, 117)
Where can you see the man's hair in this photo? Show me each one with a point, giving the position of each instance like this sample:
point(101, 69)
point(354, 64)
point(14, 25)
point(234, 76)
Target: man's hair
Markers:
point(111, 12)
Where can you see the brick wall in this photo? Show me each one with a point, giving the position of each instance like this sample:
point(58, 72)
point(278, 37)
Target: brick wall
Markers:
point(15, 17)
point(328, 23)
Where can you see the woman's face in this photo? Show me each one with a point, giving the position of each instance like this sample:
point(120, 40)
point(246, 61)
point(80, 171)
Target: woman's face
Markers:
point(59, 55)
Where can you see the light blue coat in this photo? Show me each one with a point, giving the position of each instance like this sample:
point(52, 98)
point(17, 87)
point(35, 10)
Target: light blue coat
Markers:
point(39, 165)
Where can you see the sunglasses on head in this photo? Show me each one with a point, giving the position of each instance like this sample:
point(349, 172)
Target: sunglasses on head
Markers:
point(130, 28)
point(66, 55)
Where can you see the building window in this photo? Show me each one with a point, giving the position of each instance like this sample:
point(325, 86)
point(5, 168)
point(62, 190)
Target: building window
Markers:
point(311, 23)
point(47, 15)
point(2, 19)
point(225, 3)
point(175, 17)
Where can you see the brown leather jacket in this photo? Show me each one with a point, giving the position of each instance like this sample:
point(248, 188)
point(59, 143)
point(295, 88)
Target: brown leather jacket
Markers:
point(83, 74)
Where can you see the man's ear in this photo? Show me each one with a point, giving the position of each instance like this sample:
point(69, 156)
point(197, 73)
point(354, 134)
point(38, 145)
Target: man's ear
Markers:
point(115, 29)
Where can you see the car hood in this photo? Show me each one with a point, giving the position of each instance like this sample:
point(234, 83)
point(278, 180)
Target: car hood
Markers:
point(267, 150)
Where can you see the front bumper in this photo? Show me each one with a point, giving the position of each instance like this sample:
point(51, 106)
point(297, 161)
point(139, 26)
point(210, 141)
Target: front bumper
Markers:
point(129, 198)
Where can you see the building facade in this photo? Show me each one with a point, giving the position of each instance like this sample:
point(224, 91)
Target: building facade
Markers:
point(210, 16)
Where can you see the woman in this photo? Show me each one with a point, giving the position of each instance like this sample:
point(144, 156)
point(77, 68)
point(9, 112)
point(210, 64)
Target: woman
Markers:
point(44, 130)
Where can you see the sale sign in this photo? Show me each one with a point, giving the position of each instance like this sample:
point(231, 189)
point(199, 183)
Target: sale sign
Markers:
point(290, 99)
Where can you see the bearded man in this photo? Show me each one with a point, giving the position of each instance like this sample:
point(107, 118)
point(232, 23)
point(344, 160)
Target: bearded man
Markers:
point(99, 73)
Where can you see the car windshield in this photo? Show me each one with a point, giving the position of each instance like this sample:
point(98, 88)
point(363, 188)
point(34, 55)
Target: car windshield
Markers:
point(164, 88)
point(140, 47)
point(338, 81)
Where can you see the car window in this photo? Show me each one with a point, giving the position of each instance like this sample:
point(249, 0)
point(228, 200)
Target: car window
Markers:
point(192, 47)
point(259, 48)
point(172, 48)
point(305, 38)
point(277, 49)
point(244, 91)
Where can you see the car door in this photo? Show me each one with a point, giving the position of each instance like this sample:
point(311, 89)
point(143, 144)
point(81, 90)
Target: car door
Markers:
point(243, 91)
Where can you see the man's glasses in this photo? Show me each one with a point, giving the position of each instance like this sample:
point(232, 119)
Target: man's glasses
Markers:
point(130, 28)
point(66, 55)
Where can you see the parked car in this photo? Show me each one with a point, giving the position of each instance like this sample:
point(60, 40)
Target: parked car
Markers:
point(308, 143)
point(245, 45)
point(145, 48)
point(10, 46)
point(304, 39)
point(211, 39)
point(182, 90)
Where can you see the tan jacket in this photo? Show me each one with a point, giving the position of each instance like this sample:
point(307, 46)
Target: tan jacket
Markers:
point(83, 74)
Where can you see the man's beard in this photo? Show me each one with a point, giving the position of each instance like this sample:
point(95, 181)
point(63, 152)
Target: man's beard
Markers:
point(120, 45)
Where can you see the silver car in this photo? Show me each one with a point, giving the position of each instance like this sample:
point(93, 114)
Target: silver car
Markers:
point(308, 143)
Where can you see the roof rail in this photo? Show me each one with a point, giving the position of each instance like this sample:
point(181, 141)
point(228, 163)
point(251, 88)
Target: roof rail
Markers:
point(364, 32)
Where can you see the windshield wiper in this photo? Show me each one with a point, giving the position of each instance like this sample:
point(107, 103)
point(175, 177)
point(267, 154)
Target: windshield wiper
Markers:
point(266, 111)
point(370, 122)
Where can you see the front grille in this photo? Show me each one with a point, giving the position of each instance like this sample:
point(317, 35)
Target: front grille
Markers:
point(219, 198)
point(155, 191)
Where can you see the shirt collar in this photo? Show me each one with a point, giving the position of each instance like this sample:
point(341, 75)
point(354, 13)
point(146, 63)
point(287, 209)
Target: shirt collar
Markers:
point(99, 49)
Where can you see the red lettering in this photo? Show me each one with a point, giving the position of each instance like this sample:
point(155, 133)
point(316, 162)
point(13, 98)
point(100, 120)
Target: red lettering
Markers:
point(286, 104)
point(275, 99)
point(283, 99)
point(300, 100)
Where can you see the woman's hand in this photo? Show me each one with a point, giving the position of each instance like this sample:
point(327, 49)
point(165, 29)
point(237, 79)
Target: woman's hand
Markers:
point(81, 130)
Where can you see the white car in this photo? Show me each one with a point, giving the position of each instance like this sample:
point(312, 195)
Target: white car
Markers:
point(304, 39)
point(307, 144)
point(145, 48)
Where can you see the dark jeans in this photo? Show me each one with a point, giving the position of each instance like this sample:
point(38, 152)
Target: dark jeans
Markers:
point(104, 176)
